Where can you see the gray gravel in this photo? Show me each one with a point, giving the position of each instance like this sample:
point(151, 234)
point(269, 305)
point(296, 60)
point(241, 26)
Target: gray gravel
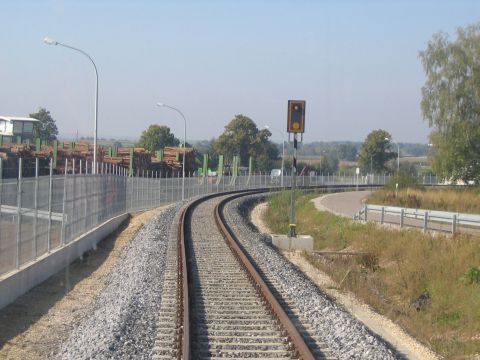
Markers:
point(122, 324)
point(346, 337)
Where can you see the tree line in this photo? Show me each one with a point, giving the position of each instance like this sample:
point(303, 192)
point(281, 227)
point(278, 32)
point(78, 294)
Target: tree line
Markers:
point(450, 104)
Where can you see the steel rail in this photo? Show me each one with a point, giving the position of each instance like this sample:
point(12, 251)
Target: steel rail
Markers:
point(183, 337)
point(183, 296)
point(301, 349)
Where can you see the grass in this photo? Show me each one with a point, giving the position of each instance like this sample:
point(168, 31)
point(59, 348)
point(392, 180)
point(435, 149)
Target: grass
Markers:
point(465, 200)
point(398, 268)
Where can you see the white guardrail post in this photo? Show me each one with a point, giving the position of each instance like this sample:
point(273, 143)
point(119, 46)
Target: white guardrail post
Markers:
point(425, 221)
point(454, 224)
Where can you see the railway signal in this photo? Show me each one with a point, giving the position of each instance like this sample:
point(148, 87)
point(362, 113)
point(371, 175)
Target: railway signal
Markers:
point(295, 125)
point(296, 116)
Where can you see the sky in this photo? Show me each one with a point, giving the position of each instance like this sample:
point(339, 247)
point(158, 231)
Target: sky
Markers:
point(354, 62)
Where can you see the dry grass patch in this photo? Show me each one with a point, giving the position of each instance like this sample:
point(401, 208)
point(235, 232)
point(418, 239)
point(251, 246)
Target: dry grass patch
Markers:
point(465, 200)
point(399, 267)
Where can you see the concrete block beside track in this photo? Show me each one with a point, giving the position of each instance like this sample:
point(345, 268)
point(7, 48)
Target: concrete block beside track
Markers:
point(16, 283)
point(301, 242)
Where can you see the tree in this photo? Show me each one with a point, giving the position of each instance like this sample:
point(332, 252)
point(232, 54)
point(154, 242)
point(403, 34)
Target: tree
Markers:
point(242, 137)
point(451, 102)
point(373, 152)
point(156, 137)
point(45, 128)
point(346, 152)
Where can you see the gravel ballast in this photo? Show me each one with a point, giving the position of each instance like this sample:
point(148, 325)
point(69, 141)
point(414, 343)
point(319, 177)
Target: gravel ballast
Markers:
point(346, 337)
point(123, 321)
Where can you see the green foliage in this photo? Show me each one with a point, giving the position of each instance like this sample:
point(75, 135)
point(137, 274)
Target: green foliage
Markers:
point(242, 137)
point(156, 137)
point(327, 164)
point(373, 152)
point(472, 275)
point(450, 102)
point(404, 179)
point(46, 128)
point(346, 152)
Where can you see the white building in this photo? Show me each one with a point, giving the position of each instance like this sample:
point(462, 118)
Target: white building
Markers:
point(17, 126)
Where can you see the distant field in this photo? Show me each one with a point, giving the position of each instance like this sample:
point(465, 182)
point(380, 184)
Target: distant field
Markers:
point(414, 159)
point(462, 199)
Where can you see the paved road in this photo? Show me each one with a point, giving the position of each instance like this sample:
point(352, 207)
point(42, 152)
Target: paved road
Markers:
point(343, 203)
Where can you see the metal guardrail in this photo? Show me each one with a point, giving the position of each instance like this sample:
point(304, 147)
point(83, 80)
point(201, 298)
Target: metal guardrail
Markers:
point(454, 219)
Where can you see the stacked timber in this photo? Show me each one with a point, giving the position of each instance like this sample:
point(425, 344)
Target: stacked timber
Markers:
point(172, 156)
point(166, 162)
point(139, 157)
point(60, 151)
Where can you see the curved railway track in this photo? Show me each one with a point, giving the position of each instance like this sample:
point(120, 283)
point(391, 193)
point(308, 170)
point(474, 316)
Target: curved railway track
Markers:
point(215, 303)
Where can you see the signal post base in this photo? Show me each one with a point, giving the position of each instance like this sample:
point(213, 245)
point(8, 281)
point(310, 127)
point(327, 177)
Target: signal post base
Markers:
point(301, 242)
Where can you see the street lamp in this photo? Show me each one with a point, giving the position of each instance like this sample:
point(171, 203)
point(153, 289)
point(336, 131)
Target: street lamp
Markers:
point(283, 151)
point(398, 152)
point(398, 164)
point(184, 140)
point(50, 41)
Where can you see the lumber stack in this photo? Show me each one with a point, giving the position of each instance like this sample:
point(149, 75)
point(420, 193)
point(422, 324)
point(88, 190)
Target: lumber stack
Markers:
point(172, 156)
point(168, 161)
point(140, 158)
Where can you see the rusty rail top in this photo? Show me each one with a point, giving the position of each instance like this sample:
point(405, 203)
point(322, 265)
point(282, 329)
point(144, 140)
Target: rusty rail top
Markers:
point(302, 349)
point(183, 340)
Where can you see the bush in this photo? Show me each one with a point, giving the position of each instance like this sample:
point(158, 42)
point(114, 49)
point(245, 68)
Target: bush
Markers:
point(404, 179)
point(472, 276)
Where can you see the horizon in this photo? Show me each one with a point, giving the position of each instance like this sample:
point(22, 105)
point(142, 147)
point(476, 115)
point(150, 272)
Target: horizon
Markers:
point(355, 63)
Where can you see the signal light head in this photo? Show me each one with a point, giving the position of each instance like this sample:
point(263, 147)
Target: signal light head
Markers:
point(296, 116)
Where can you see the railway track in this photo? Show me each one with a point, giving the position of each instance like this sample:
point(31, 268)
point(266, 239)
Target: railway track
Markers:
point(215, 304)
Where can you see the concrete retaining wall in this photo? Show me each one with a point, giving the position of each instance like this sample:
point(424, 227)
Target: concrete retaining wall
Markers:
point(18, 282)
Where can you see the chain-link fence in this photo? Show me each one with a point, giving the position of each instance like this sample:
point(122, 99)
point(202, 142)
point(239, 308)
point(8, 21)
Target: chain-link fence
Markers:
point(42, 213)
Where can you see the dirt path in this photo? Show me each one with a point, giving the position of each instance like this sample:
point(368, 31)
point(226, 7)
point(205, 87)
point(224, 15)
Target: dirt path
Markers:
point(384, 327)
point(34, 325)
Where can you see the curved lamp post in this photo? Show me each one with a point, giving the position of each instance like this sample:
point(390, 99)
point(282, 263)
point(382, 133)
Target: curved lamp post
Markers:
point(283, 150)
point(50, 41)
point(398, 163)
point(184, 140)
point(398, 152)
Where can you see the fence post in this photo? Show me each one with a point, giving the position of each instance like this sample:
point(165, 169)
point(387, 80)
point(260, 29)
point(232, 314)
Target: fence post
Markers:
point(178, 185)
point(36, 210)
point(64, 203)
point(74, 197)
point(1, 191)
point(19, 212)
point(454, 224)
point(425, 222)
point(382, 218)
point(50, 188)
point(365, 212)
point(401, 217)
